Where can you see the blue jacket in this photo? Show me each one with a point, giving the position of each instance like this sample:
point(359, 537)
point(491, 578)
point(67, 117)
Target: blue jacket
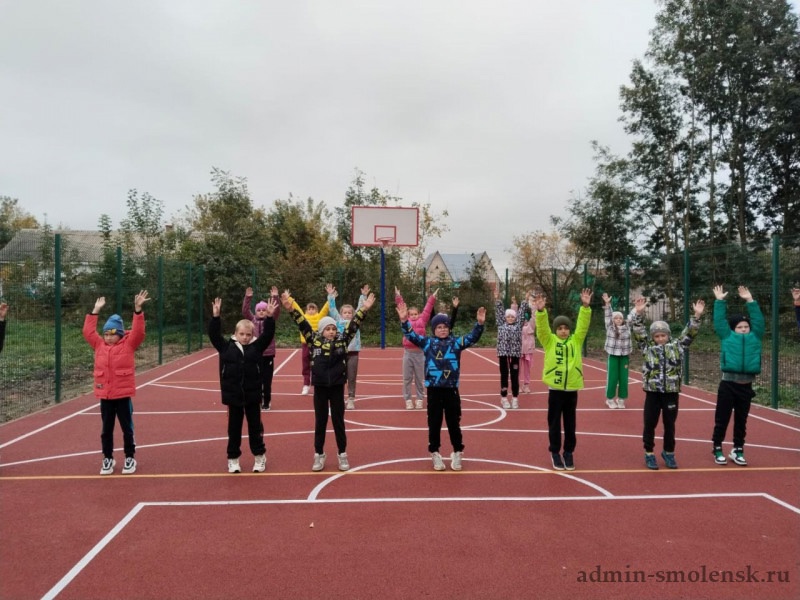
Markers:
point(442, 355)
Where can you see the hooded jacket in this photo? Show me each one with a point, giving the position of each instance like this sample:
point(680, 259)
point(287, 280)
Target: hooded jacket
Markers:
point(662, 367)
point(563, 360)
point(419, 324)
point(247, 313)
point(114, 365)
point(739, 352)
point(240, 366)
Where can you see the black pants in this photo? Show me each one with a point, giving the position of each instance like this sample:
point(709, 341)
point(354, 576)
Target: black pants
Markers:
point(562, 405)
point(444, 402)
point(255, 430)
point(509, 365)
point(333, 396)
point(267, 367)
point(666, 405)
point(110, 411)
point(733, 398)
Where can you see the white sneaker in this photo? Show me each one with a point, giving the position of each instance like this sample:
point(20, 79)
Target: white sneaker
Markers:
point(305, 391)
point(620, 402)
point(130, 466)
point(526, 389)
point(261, 463)
point(344, 465)
point(351, 404)
point(409, 404)
point(108, 466)
point(611, 402)
point(319, 462)
point(233, 465)
point(504, 402)
point(438, 463)
point(514, 402)
point(418, 404)
point(455, 461)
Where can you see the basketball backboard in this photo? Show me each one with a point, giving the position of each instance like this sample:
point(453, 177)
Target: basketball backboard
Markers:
point(384, 226)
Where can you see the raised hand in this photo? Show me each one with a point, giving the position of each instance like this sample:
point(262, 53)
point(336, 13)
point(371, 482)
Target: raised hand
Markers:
point(455, 301)
point(606, 299)
point(216, 306)
point(402, 312)
point(699, 307)
point(98, 304)
point(286, 300)
point(368, 302)
point(640, 304)
point(330, 289)
point(745, 294)
point(248, 293)
point(140, 299)
point(481, 315)
point(719, 293)
point(365, 290)
point(796, 296)
point(274, 291)
point(586, 296)
point(272, 305)
point(3, 311)
point(539, 302)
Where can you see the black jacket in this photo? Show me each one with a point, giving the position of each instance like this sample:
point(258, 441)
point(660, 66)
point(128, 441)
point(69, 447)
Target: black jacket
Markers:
point(328, 366)
point(239, 366)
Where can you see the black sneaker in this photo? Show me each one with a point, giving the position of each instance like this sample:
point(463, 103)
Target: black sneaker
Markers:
point(650, 461)
point(569, 464)
point(558, 464)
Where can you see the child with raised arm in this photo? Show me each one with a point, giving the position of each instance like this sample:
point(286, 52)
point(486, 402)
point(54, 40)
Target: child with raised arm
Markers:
point(115, 377)
point(796, 299)
point(413, 360)
point(342, 321)
point(509, 347)
point(563, 375)
point(267, 365)
point(313, 315)
point(662, 369)
point(328, 375)
point(442, 354)
point(618, 347)
point(740, 360)
point(240, 381)
point(528, 346)
point(3, 313)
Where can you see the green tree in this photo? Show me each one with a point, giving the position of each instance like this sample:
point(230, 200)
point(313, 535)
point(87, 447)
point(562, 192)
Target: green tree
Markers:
point(13, 218)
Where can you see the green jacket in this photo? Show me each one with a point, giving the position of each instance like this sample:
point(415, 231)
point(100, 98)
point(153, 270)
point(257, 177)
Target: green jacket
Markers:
point(739, 352)
point(563, 362)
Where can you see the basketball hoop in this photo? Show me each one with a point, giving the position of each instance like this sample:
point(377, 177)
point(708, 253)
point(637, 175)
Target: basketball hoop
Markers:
point(387, 241)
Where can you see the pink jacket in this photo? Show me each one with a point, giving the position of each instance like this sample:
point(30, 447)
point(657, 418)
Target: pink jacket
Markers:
point(528, 339)
point(114, 369)
point(420, 323)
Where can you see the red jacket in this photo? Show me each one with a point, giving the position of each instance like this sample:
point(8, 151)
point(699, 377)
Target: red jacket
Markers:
point(419, 324)
point(114, 369)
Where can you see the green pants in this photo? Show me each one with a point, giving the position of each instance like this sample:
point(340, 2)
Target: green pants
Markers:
point(617, 384)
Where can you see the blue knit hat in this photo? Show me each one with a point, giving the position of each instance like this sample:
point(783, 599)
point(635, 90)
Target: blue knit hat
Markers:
point(439, 319)
point(115, 325)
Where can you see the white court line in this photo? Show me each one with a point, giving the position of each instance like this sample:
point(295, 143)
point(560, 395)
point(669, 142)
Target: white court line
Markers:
point(100, 546)
point(54, 423)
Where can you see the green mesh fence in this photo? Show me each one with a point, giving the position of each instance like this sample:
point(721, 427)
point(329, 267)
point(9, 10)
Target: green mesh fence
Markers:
point(672, 283)
point(52, 283)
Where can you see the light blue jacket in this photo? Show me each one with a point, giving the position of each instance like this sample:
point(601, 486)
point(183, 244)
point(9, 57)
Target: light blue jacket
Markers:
point(341, 324)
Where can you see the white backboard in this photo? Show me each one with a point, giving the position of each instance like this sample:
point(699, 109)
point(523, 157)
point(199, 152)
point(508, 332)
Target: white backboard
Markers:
point(392, 225)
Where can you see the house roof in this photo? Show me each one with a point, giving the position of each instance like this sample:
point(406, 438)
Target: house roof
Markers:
point(458, 265)
point(27, 244)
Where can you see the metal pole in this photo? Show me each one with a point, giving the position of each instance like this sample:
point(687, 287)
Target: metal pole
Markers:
point(686, 308)
point(775, 321)
point(57, 311)
point(383, 299)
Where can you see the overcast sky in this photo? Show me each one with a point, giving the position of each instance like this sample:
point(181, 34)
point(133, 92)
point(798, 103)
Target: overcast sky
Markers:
point(483, 108)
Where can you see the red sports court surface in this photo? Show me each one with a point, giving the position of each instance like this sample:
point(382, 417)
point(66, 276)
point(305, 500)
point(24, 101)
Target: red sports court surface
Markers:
point(507, 526)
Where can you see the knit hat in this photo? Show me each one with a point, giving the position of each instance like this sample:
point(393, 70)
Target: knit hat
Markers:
point(510, 312)
point(562, 320)
point(114, 325)
point(659, 327)
point(439, 319)
point(616, 314)
point(261, 305)
point(734, 320)
point(324, 322)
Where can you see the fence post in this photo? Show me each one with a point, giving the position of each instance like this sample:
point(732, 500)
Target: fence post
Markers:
point(686, 308)
point(507, 300)
point(57, 309)
point(188, 308)
point(776, 292)
point(160, 310)
point(118, 284)
point(555, 292)
point(201, 289)
point(627, 286)
point(585, 347)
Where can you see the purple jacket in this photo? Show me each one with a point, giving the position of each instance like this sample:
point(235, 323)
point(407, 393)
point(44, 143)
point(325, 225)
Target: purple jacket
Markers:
point(259, 323)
